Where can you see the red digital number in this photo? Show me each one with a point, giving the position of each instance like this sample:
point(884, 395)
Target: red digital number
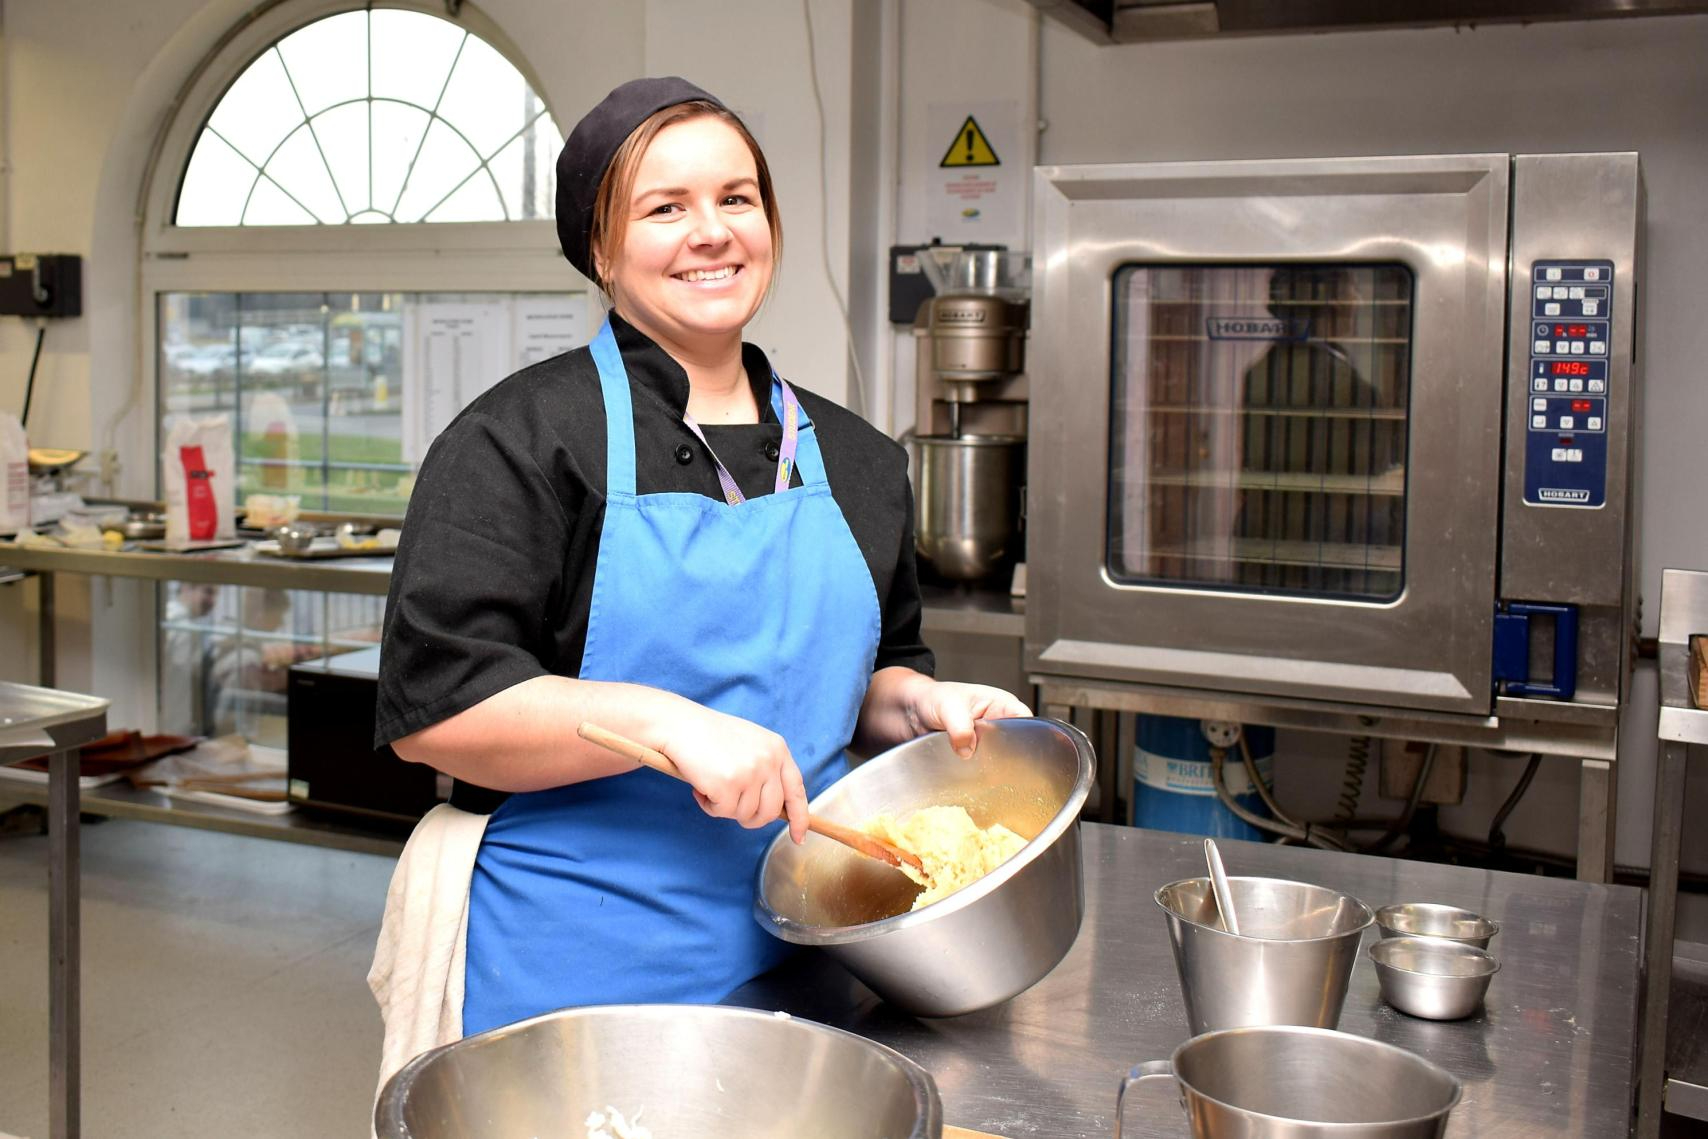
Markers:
point(1570, 368)
point(1580, 405)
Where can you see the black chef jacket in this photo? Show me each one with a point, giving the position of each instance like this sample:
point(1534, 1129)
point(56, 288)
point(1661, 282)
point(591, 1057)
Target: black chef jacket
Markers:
point(494, 570)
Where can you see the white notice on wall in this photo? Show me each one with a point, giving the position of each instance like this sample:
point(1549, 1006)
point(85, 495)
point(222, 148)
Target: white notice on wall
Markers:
point(543, 327)
point(451, 353)
point(977, 173)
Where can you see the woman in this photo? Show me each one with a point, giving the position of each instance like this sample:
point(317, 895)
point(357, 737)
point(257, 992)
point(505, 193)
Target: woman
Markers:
point(658, 535)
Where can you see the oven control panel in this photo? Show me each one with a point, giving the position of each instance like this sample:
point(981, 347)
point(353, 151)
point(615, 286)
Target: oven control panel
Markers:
point(1565, 461)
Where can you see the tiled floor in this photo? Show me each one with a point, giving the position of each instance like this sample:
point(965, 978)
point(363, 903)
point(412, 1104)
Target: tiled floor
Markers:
point(224, 985)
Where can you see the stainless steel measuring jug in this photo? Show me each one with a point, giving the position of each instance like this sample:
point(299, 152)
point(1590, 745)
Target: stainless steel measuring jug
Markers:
point(1289, 1082)
point(1289, 964)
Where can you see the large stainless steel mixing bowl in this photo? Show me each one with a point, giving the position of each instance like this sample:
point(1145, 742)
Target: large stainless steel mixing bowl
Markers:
point(981, 945)
point(705, 1071)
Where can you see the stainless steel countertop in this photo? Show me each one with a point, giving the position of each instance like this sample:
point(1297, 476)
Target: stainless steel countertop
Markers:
point(239, 565)
point(1551, 1053)
point(69, 719)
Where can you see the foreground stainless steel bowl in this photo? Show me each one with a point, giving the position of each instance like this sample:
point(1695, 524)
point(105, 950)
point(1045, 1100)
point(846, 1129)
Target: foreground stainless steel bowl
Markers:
point(705, 1071)
point(1432, 977)
point(1290, 963)
point(979, 946)
point(1431, 919)
point(1302, 1083)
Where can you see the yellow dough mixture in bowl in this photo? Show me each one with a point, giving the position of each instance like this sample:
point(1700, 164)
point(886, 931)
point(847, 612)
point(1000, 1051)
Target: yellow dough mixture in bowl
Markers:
point(954, 851)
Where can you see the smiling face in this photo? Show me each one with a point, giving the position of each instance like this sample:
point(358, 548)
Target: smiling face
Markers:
point(695, 256)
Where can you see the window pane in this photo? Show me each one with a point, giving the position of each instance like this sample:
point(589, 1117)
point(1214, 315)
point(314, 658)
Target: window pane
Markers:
point(413, 53)
point(270, 205)
point(343, 135)
point(445, 161)
point(318, 385)
point(487, 99)
point(476, 199)
point(258, 111)
point(1259, 418)
point(216, 185)
point(406, 101)
point(301, 172)
point(397, 140)
point(226, 652)
point(328, 60)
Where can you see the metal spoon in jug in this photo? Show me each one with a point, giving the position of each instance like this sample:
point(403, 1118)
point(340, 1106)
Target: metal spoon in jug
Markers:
point(869, 845)
point(1219, 886)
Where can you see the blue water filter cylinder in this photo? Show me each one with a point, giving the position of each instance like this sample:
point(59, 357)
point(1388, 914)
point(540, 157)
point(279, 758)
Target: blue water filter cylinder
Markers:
point(1174, 785)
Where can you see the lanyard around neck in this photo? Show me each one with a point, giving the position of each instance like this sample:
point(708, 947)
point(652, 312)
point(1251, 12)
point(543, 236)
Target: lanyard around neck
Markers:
point(785, 454)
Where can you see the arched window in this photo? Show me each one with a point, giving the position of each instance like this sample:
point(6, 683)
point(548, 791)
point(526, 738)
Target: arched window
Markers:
point(380, 115)
point(335, 348)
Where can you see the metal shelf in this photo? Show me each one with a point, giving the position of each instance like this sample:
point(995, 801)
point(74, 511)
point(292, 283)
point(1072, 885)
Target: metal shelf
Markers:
point(1687, 1034)
point(1354, 414)
point(1259, 551)
point(1389, 484)
point(122, 801)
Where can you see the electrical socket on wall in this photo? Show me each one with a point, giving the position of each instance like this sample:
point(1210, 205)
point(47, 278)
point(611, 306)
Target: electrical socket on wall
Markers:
point(109, 469)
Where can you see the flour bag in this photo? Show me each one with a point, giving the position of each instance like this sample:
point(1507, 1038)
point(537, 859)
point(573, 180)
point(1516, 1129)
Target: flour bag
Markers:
point(200, 475)
point(15, 473)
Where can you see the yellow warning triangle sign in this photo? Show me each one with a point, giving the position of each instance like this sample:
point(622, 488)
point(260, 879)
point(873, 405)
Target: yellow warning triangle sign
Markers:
point(970, 148)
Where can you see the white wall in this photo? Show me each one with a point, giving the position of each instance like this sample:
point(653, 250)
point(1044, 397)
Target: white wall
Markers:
point(1633, 84)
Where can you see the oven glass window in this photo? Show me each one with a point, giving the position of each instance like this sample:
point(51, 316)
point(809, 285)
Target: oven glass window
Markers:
point(1259, 427)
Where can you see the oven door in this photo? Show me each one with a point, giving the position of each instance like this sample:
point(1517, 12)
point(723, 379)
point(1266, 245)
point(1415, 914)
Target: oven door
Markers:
point(1265, 427)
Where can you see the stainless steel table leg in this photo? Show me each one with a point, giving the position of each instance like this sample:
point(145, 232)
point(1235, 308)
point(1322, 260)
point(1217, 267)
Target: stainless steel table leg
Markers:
point(1658, 935)
point(1597, 800)
point(63, 958)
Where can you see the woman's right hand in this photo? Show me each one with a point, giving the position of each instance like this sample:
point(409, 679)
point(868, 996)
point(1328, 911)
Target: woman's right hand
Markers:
point(739, 770)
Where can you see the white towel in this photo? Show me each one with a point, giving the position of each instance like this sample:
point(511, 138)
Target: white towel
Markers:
point(417, 975)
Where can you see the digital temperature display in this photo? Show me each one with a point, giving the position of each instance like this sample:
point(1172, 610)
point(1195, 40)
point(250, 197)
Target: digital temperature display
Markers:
point(1570, 368)
point(1575, 331)
point(1582, 405)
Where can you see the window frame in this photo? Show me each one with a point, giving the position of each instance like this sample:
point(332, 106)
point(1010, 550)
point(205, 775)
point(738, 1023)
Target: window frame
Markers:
point(521, 256)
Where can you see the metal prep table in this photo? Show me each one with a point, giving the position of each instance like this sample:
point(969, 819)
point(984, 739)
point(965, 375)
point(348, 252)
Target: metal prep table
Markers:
point(69, 721)
point(237, 565)
point(1674, 1055)
point(1550, 1054)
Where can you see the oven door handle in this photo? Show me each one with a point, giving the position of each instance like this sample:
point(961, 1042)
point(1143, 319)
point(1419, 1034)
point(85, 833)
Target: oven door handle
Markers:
point(1512, 649)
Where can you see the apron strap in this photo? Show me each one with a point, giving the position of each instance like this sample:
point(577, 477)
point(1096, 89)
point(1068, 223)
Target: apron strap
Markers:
point(619, 413)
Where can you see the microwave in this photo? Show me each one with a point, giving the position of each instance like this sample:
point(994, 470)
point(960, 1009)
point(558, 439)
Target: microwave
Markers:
point(1347, 438)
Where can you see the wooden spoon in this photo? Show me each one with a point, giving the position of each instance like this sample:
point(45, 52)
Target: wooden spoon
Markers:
point(869, 845)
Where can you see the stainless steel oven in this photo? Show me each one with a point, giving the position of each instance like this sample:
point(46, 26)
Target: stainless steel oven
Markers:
point(1353, 434)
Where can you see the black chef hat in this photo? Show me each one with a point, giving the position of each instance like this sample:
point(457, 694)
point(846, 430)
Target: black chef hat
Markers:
point(591, 146)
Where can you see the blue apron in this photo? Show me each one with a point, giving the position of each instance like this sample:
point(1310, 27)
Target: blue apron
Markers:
point(621, 889)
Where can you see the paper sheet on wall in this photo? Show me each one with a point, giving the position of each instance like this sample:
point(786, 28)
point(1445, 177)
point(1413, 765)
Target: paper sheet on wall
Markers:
point(452, 352)
point(977, 173)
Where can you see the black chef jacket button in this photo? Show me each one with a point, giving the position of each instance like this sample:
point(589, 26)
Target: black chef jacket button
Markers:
point(684, 454)
point(771, 451)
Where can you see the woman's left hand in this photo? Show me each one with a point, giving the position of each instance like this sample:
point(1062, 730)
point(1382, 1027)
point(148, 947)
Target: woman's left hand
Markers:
point(903, 704)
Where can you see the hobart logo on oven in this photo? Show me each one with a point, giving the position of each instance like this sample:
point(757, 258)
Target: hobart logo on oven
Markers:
point(1557, 494)
point(1257, 328)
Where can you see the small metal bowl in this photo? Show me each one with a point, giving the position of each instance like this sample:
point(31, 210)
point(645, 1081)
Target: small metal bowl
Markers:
point(1432, 977)
point(294, 537)
point(1431, 919)
point(139, 526)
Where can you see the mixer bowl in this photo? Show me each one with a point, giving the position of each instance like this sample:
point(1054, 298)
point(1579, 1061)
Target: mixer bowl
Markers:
point(967, 502)
point(981, 945)
point(707, 1071)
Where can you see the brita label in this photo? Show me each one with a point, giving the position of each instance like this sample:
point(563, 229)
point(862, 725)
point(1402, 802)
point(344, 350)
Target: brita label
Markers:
point(1194, 777)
